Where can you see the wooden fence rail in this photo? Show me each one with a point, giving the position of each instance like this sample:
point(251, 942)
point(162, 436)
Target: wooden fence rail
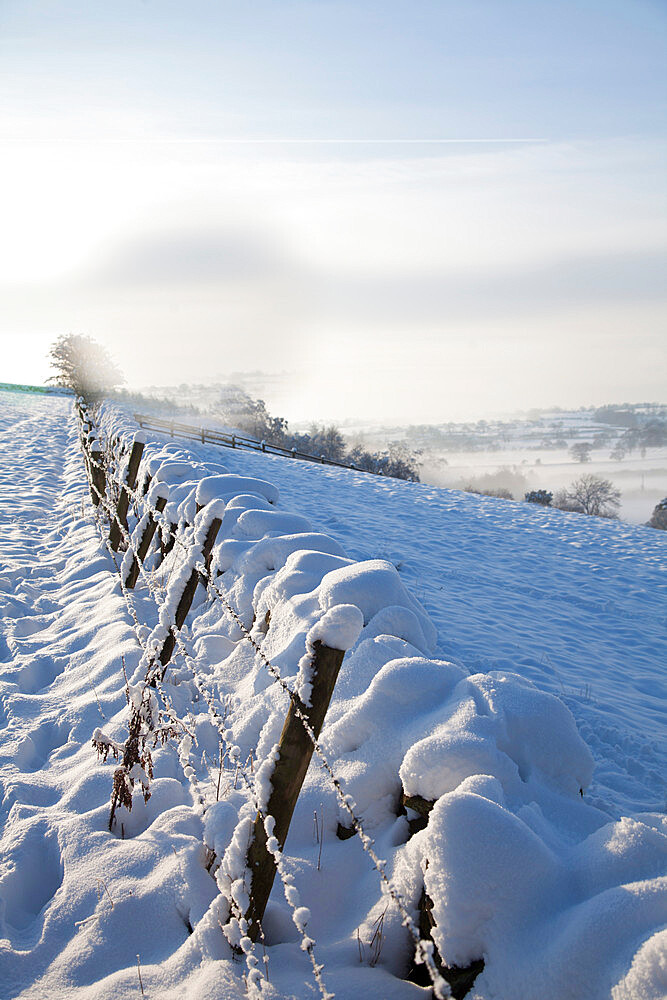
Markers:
point(208, 436)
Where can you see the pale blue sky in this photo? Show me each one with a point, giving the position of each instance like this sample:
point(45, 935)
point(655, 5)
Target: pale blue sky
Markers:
point(433, 280)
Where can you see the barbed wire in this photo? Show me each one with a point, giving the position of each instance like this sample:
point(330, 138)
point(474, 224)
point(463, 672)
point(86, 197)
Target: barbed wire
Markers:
point(169, 708)
point(423, 948)
point(189, 773)
point(221, 724)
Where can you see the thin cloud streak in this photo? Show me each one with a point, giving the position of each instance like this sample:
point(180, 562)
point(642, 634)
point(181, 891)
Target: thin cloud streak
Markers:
point(275, 141)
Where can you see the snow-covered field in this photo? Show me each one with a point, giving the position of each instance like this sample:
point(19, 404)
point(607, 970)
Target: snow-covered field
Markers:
point(511, 659)
point(642, 482)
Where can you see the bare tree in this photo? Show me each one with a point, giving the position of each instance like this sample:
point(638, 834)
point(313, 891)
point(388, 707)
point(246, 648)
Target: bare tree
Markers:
point(590, 495)
point(84, 366)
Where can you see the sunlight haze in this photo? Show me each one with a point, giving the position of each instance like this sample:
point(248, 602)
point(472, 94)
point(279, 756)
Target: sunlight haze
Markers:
point(216, 187)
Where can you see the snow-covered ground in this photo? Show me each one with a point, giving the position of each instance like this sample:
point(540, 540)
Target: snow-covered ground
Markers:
point(512, 658)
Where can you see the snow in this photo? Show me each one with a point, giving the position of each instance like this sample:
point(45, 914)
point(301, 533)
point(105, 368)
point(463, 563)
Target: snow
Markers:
point(257, 524)
point(158, 488)
point(540, 915)
point(338, 628)
point(502, 663)
point(374, 586)
point(174, 473)
point(501, 726)
point(231, 485)
point(205, 517)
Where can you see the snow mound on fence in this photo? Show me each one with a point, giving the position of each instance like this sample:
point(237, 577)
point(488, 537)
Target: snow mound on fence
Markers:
point(255, 524)
point(520, 871)
point(338, 628)
point(248, 564)
point(302, 572)
point(173, 473)
point(498, 724)
point(547, 919)
point(212, 487)
point(374, 586)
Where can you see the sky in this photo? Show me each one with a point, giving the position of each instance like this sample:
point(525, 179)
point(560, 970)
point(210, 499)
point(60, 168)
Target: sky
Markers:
point(418, 211)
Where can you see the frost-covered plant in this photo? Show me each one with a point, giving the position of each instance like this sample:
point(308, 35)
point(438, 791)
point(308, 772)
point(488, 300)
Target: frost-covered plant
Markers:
point(376, 942)
point(135, 754)
point(250, 415)
point(505, 483)
point(500, 492)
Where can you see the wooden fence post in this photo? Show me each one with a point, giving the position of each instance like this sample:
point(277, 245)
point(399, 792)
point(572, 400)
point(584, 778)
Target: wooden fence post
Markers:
point(166, 547)
point(97, 482)
point(124, 498)
point(294, 752)
point(188, 595)
point(144, 544)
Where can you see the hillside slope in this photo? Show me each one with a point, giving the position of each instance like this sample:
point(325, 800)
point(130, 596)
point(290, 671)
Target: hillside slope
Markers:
point(537, 614)
point(573, 603)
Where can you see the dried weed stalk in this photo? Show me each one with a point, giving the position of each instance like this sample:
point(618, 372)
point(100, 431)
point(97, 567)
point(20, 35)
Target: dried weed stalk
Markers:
point(144, 735)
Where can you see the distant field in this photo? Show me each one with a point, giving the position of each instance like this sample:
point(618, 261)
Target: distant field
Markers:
point(642, 481)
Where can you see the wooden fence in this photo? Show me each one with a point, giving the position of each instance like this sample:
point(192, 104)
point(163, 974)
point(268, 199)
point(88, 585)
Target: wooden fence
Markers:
point(206, 435)
point(112, 498)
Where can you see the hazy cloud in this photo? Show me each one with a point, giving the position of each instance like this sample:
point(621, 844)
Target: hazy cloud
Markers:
point(473, 295)
point(189, 256)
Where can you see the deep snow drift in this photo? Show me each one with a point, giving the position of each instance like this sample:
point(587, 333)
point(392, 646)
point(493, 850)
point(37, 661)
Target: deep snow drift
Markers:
point(506, 664)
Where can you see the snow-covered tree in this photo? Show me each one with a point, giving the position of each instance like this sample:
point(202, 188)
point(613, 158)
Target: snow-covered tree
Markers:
point(84, 366)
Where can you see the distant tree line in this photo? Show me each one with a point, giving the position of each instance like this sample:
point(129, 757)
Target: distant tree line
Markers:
point(629, 414)
point(628, 428)
point(652, 434)
point(587, 495)
point(85, 367)
point(240, 410)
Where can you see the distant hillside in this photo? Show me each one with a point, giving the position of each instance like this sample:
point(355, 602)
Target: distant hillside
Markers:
point(49, 390)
